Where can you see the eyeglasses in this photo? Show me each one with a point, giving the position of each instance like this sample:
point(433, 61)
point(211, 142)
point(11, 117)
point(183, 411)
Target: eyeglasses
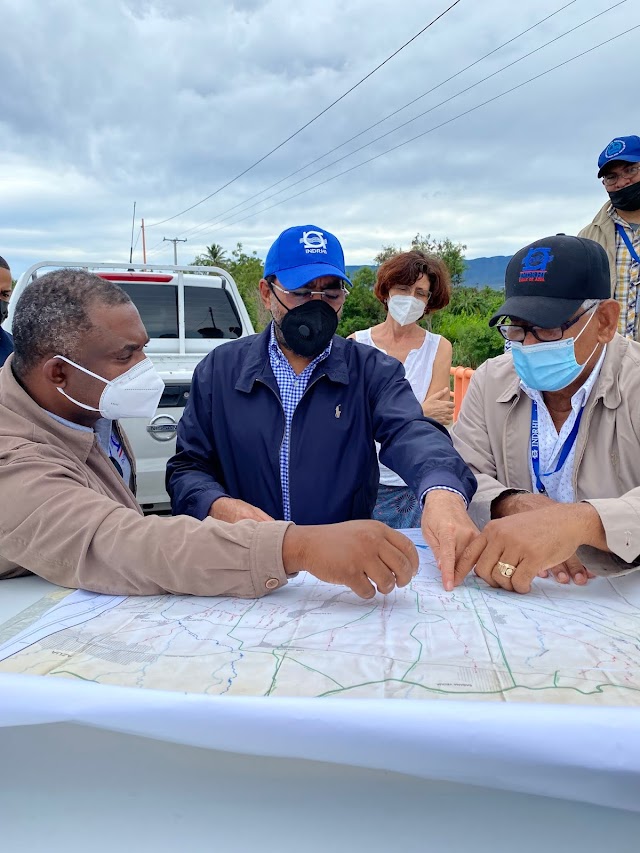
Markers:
point(518, 332)
point(332, 295)
point(407, 290)
point(630, 171)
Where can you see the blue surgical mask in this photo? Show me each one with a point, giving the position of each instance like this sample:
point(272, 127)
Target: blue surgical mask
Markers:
point(549, 366)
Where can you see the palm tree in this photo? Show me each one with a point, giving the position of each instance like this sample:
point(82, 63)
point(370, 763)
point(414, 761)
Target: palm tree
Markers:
point(215, 255)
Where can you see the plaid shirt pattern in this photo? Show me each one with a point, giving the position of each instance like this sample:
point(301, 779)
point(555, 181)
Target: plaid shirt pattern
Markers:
point(627, 290)
point(292, 388)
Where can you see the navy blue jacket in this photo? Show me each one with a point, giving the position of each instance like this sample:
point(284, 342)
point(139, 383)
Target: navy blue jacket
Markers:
point(6, 346)
point(230, 434)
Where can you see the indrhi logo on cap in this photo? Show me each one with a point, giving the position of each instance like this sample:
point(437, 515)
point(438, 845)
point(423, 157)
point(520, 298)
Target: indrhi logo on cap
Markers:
point(614, 148)
point(534, 265)
point(314, 242)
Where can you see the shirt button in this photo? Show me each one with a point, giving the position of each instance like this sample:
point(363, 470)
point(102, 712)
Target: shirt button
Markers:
point(272, 583)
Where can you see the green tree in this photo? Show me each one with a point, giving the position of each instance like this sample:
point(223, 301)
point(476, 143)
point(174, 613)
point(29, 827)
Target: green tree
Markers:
point(465, 322)
point(385, 253)
point(451, 253)
point(361, 308)
point(214, 256)
point(246, 271)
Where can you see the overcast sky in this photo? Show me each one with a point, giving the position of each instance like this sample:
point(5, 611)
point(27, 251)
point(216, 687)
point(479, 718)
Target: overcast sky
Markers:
point(163, 101)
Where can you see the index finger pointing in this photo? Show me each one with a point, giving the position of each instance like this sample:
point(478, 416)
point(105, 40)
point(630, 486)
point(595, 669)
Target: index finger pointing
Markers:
point(469, 558)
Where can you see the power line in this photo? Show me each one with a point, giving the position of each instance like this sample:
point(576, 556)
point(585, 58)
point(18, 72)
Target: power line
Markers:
point(311, 121)
point(410, 121)
point(437, 127)
point(218, 216)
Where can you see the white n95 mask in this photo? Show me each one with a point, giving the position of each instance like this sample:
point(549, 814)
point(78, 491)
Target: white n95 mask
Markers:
point(406, 309)
point(134, 394)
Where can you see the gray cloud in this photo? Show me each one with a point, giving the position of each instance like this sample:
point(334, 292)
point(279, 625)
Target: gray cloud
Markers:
point(162, 102)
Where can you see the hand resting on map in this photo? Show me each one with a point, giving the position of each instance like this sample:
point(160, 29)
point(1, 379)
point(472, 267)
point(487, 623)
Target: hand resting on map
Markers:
point(514, 503)
point(533, 542)
point(357, 554)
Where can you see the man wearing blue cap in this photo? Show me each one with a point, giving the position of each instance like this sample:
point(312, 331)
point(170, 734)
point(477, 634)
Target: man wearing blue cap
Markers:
point(283, 425)
point(617, 227)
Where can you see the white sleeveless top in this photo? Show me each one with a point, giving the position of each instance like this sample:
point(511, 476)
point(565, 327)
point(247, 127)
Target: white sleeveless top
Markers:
point(418, 368)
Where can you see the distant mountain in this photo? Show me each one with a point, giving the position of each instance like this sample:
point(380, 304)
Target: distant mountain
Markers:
point(480, 272)
point(486, 272)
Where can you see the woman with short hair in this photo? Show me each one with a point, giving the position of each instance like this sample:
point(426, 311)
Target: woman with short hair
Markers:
point(411, 285)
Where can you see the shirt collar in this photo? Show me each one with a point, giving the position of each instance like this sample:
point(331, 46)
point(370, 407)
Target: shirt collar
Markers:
point(102, 426)
point(581, 396)
point(615, 216)
point(276, 354)
point(67, 423)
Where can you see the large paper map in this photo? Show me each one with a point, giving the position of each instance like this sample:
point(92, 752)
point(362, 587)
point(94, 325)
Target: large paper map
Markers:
point(557, 644)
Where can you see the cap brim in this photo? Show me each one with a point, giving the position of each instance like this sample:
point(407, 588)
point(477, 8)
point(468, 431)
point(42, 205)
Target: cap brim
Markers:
point(301, 276)
point(632, 158)
point(543, 311)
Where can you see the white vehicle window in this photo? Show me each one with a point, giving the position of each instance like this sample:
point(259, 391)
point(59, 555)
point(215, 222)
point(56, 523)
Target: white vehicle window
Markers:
point(209, 312)
point(158, 307)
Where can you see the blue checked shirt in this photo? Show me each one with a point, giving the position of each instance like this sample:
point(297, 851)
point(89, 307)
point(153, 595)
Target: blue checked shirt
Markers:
point(292, 388)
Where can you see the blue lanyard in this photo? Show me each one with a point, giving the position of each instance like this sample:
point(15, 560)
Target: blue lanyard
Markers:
point(625, 237)
point(535, 447)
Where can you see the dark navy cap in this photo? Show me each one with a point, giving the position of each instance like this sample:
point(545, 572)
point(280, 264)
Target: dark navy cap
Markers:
point(547, 281)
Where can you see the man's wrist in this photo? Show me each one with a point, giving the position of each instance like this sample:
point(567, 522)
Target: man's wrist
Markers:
point(442, 490)
point(588, 526)
point(513, 501)
point(293, 549)
point(220, 506)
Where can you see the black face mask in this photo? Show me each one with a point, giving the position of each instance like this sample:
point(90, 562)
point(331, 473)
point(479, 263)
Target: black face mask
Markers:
point(308, 328)
point(628, 198)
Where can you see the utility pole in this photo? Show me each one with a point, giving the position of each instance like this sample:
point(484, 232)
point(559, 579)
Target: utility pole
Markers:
point(144, 245)
point(175, 241)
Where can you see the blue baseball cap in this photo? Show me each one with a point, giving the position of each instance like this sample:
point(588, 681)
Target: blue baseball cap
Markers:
point(625, 148)
point(303, 253)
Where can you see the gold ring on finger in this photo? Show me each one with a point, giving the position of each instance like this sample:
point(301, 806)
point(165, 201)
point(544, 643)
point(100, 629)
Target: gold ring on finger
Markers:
point(505, 569)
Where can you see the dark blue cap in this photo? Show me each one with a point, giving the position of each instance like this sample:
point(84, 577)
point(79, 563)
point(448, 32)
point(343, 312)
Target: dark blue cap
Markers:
point(625, 148)
point(303, 253)
point(547, 281)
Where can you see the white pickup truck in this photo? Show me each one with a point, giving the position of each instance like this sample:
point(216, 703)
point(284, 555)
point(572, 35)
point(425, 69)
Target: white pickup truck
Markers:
point(187, 311)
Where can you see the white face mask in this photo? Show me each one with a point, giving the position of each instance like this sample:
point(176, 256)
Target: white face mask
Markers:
point(134, 394)
point(406, 309)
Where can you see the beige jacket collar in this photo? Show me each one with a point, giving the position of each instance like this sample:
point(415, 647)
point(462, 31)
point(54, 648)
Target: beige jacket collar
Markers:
point(33, 423)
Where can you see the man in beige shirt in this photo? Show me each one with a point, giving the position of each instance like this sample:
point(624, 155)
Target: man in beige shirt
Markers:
point(616, 227)
point(552, 429)
point(67, 476)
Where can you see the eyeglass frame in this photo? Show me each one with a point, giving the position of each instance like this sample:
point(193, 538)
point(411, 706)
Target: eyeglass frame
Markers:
point(527, 328)
point(629, 171)
point(419, 294)
point(308, 295)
